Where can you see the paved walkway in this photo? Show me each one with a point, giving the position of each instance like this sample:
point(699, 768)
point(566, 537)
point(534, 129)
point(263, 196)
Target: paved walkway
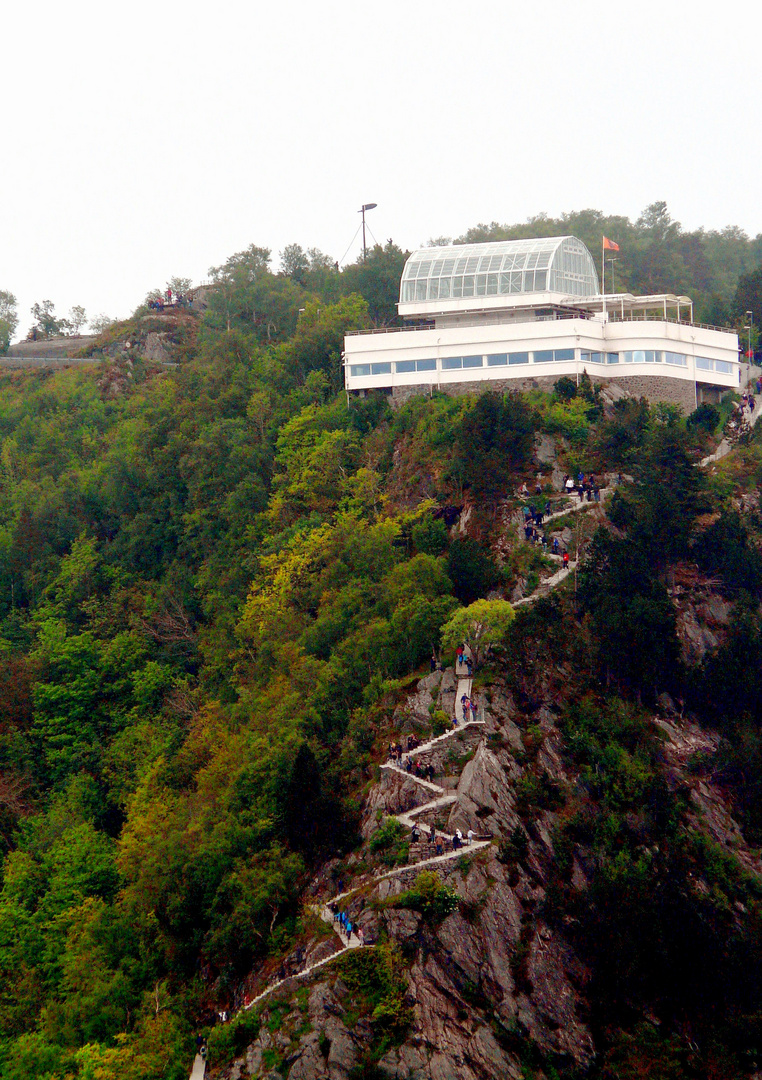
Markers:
point(437, 740)
point(199, 1068)
point(442, 798)
point(544, 586)
point(573, 508)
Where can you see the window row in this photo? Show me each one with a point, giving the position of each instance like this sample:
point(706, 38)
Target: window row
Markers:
point(448, 288)
point(539, 356)
point(723, 366)
point(454, 363)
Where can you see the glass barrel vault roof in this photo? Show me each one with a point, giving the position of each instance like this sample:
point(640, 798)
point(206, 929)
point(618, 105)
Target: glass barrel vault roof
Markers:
point(560, 264)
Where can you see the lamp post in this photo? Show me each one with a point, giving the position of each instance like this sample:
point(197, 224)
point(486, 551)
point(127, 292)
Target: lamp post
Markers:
point(749, 354)
point(611, 264)
point(363, 208)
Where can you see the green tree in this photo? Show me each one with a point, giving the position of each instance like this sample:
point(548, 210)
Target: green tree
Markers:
point(481, 625)
point(295, 263)
point(377, 280)
point(748, 297)
point(659, 509)
point(632, 616)
point(46, 325)
point(77, 319)
point(9, 319)
point(471, 569)
point(493, 441)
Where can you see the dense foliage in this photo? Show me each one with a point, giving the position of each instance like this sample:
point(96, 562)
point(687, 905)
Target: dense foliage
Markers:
point(210, 582)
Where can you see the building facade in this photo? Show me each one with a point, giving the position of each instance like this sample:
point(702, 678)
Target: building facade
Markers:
point(520, 314)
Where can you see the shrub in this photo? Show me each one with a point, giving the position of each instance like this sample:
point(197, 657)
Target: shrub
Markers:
point(430, 896)
point(706, 417)
point(375, 976)
point(430, 536)
point(389, 842)
point(440, 723)
point(565, 388)
point(228, 1041)
point(515, 848)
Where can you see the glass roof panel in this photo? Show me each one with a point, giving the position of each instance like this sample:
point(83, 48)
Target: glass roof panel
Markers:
point(571, 266)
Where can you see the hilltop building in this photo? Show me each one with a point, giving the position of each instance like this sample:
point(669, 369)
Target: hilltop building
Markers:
point(519, 314)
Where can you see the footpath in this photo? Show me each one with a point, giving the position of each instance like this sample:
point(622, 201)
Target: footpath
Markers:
point(440, 799)
point(407, 818)
point(560, 575)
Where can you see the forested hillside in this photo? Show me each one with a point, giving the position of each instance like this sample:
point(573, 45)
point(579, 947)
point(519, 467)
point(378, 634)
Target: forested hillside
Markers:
point(221, 585)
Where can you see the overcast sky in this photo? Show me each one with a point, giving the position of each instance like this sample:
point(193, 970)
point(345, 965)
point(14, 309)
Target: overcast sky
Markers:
point(145, 140)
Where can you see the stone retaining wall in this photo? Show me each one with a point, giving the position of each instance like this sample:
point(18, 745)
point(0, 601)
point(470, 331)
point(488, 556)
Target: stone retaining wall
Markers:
point(681, 392)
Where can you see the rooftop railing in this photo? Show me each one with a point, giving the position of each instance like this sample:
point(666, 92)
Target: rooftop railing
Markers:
point(614, 316)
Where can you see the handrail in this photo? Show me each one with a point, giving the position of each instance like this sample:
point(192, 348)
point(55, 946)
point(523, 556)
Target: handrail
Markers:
point(615, 316)
point(557, 317)
point(388, 330)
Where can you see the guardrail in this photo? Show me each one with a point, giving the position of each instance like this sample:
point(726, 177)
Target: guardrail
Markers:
point(616, 317)
point(559, 316)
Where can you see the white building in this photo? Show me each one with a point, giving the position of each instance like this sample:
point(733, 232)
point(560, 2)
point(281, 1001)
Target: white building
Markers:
point(518, 314)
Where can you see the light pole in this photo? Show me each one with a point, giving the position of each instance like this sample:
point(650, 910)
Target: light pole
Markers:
point(363, 208)
point(749, 354)
point(611, 264)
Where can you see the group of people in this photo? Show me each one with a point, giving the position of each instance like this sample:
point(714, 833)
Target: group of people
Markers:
point(423, 772)
point(747, 402)
point(396, 750)
point(468, 705)
point(346, 926)
point(441, 842)
point(535, 533)
point(170, 299)
point(462, 657)
point(585, 486)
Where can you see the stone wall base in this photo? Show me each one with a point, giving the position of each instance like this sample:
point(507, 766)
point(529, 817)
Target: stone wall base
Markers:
point(681, 392)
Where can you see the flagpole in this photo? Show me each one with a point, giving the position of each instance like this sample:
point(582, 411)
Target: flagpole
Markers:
point(603, 276)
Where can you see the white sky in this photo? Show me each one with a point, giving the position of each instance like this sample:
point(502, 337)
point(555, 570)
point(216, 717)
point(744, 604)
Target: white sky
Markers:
point(142, 140)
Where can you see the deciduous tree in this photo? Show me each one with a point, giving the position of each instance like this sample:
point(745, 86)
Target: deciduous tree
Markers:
point(481, 625)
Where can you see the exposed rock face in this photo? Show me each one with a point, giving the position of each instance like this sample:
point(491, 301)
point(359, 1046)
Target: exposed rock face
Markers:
point(551, 1014)
point(426, 693)
point(492, 972)
point(394, 795)
point(451, 1039)
point(156, 348)
point(702, 615)
point(685, 744)
point(486, 801)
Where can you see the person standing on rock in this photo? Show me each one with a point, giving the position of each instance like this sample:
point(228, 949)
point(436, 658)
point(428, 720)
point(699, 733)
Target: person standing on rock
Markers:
point(566, 560)
point(432, 834)
point(474, 710)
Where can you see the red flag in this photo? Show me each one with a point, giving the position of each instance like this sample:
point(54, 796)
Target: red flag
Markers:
point(609, 245)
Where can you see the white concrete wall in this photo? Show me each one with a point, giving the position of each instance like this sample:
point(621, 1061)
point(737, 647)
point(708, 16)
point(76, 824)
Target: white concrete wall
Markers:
point(593, 335)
